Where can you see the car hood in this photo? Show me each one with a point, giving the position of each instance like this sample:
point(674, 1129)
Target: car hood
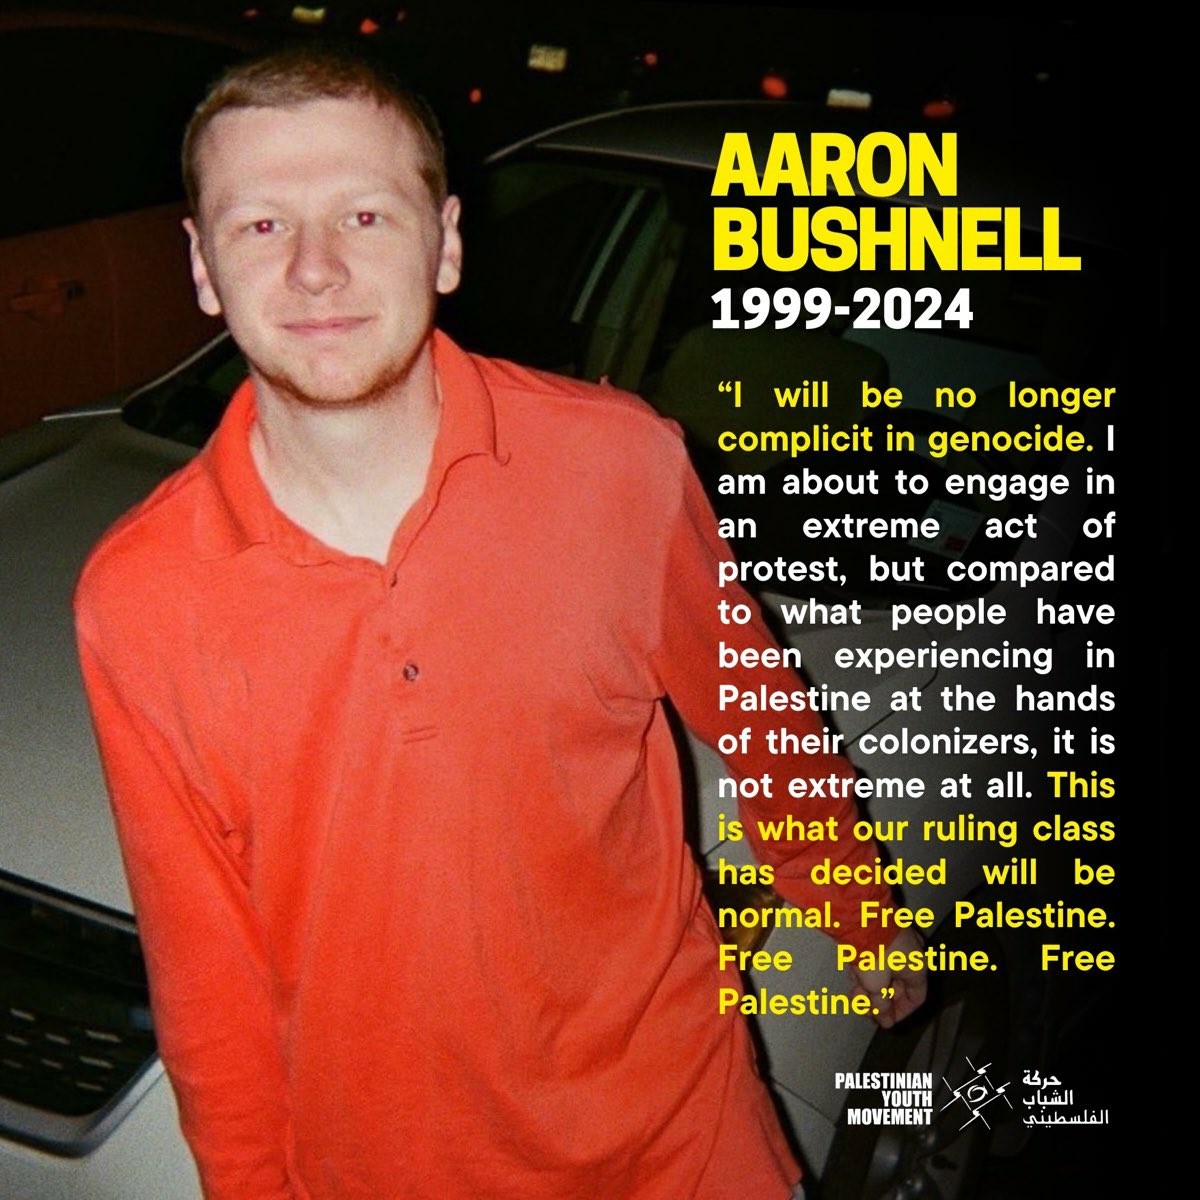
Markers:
point(61, 485)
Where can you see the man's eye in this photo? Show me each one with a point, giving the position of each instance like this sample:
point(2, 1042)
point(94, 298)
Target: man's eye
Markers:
point(364, 220)
point(266, 225)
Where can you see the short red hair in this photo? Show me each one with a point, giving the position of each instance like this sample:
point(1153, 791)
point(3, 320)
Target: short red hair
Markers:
point(299, 75)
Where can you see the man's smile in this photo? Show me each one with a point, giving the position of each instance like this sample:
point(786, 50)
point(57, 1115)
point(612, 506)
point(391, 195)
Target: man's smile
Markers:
point(316, 326)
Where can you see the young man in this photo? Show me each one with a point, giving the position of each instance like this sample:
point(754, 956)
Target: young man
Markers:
point(378, 681)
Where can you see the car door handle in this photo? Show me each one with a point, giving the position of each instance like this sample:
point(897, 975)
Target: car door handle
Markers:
point(46, 298)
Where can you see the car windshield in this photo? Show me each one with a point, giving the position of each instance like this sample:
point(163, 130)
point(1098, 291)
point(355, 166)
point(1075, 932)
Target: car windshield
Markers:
point(187, 406)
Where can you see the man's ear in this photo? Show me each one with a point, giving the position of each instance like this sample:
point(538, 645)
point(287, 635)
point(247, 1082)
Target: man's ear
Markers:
point(206, 294)
point(449, 270)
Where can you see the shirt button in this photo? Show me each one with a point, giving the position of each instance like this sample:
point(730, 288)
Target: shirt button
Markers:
point(410, 671)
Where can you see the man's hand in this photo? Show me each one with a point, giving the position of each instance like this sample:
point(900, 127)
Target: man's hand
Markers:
point(906, 988)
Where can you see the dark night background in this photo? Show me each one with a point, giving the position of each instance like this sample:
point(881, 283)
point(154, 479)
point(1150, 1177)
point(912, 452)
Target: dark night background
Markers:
point(1077, 98)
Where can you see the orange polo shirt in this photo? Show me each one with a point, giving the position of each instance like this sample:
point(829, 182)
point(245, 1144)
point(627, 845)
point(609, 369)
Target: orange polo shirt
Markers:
point(406, 841)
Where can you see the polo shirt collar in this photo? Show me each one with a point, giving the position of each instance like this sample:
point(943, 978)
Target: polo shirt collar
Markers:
point(242, 514)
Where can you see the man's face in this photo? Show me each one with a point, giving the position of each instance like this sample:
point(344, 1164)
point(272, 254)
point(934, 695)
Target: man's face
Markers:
point(318, 240)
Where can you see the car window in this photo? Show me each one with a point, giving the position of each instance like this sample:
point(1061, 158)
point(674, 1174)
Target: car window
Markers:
point(551, 249)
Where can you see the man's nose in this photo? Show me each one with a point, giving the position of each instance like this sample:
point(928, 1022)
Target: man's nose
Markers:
point(316, 264)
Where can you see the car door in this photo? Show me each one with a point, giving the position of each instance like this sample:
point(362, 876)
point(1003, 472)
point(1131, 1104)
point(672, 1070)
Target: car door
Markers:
point(95, 293)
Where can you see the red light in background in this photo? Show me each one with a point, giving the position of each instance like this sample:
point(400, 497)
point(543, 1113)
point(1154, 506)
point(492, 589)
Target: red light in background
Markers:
point(774, 86)
point(251, 14)
point(367, 27)
point(939, 110)
point(475, 95)
point(650, 58)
